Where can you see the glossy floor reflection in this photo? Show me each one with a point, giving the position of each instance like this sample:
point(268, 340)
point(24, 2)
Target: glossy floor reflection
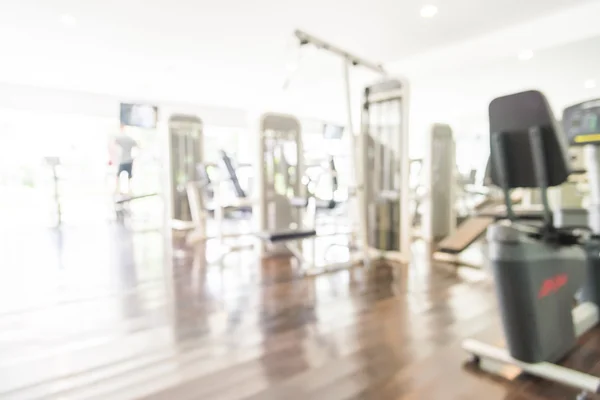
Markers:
point(109, 314)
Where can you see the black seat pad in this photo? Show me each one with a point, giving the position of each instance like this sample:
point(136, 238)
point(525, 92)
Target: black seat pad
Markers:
point(302, 202)
point(326, 204)
point(244, 209)
point(299, 202)
point(287, 235)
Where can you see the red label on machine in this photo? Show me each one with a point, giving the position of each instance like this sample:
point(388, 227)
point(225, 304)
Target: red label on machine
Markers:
point(552, 285)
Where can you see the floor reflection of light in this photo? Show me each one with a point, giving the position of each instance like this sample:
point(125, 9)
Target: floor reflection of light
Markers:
point(214, 282)
point(68, 269)
point(322, 286)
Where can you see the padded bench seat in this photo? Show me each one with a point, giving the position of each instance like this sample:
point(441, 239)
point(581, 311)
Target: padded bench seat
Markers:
point(299, 202)
point(286, 235)
point(302, 202)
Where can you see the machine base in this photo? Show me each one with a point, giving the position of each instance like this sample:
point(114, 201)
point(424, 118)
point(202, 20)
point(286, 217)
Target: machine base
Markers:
point(497, 361)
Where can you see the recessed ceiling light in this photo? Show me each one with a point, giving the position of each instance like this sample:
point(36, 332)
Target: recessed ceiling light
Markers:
point(68, 20)
point(525, 55)
point(589, 83)
point(428, 11)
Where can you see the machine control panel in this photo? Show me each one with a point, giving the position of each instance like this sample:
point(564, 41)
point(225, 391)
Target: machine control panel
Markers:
point(581, 123)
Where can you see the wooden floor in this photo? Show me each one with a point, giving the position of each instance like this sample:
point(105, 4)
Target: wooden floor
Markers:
point(106, 314)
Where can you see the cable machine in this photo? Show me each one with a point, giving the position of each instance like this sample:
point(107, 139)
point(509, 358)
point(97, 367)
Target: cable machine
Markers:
point(439, 210)
point(186, 148)
point(380, 150)
point(386, 169)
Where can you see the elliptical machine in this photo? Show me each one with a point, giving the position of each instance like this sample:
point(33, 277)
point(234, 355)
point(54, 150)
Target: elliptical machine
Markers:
point(539, 268)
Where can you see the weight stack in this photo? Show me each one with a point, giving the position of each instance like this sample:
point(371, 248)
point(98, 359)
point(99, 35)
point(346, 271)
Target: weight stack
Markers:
point(384, 230)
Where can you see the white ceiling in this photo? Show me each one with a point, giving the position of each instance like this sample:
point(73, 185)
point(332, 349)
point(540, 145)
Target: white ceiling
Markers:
point(230, 52)
point(560, 72)
point(455, 83)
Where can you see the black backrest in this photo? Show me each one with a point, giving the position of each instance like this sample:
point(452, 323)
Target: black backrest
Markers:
point(334, 178)
point(203, 178)
point(228, 164)
point(202, 174)
point(511, 120)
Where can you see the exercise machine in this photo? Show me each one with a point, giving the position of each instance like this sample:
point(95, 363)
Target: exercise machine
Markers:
point(439, 215)
point(278, 172)
point(486, 211)
point(193, 195)
point(385, 168)
point(285, 213)
point(439, 222)
point(450, 249)
point(326, 172)
point(382, 205)
point(186, 148)
point(539, 268)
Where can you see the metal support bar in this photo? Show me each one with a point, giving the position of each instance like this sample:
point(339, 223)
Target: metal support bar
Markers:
point(357, 166)
point(306, 38)
point(552, 372)
point(55, 180)
point(493, 358)
point(592, 163)
point(539, 160)
point(499, 153)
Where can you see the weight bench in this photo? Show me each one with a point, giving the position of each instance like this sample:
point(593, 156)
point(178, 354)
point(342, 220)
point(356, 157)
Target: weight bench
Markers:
point(473, 228)
point(321, 204)
point(287, 238)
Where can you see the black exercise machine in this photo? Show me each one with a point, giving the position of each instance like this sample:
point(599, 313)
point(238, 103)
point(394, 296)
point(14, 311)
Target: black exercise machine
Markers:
point(539, 267)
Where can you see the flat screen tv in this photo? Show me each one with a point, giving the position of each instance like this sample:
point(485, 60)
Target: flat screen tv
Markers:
point(140, 115)
point(332, 131)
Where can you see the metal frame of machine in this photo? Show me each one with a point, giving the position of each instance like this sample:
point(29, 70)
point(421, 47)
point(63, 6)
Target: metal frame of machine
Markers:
point(275, 180)
point(284, 213)
point(186, 148)
point(385, 168)
point(186, 206)
point(439, 215)
point(392, 98)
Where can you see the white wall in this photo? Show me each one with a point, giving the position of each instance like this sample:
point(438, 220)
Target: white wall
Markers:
point(455, 83)
point(96, 105)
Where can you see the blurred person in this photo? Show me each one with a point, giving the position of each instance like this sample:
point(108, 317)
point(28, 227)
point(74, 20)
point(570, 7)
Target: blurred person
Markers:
point(123, 157)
